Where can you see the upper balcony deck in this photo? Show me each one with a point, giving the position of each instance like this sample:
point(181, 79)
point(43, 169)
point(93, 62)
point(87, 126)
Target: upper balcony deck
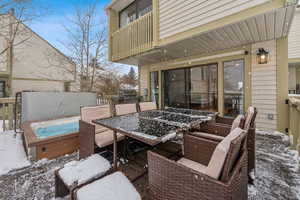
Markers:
point(171, 29)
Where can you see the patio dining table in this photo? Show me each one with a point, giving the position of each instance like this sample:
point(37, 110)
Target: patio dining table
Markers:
point(152, 127)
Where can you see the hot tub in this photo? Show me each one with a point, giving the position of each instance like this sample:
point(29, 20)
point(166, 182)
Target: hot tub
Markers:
point(52, 138)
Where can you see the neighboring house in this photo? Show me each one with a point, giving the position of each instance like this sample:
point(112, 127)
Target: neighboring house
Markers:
point(34, 63)
point(215, 55)
point(294, 55)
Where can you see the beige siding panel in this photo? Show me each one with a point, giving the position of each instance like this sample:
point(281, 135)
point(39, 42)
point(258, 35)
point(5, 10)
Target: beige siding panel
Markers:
point(294, 37)
point(144, 79)
point(53, 86)
point(180, 15)
point(264, 87)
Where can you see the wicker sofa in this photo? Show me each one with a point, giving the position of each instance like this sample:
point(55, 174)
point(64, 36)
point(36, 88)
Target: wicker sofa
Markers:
point(171, 180)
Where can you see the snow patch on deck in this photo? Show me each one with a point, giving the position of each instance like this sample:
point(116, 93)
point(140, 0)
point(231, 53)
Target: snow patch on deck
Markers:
point(12, 154)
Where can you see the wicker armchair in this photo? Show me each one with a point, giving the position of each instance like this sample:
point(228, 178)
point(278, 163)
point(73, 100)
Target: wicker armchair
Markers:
point(216, 131)
point(170, 180)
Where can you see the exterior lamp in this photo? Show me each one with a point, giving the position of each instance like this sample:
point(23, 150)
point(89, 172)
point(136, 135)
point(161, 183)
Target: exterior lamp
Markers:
point(262, 56)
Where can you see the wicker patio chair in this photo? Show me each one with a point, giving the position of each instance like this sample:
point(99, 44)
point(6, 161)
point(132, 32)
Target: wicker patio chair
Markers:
point(123, 109)
point(144, 106)
point(94, 135)
point(217, 131)
point(208, 171)
point(112, 187)
point(78, 173)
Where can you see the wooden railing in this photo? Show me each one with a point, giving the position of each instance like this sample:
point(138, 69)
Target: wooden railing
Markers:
point(133, 39)
point(7, 106)
point(294, 120)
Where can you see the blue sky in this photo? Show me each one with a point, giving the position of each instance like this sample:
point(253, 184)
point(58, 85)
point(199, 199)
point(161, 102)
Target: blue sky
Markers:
point(49, 26)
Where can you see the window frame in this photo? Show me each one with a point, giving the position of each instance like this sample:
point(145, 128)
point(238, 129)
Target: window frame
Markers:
point(136, 2)
point(244, 82)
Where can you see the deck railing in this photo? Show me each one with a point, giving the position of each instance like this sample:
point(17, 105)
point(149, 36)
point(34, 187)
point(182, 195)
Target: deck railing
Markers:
point(7, 106)
point(294, 120)
point(133, 39)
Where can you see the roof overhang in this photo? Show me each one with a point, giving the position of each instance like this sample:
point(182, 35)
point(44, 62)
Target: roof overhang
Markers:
point(270, 25)
point(118, 5)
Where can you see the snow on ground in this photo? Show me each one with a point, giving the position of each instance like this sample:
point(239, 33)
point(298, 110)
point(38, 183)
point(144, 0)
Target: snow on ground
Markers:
point(277, 174)
point(12, 153)
point(277, 168)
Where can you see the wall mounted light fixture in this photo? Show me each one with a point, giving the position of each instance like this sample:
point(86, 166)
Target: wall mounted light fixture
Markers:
point(262, 56)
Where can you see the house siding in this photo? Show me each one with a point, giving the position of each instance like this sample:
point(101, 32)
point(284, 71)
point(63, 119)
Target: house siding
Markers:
point(264, 87)
point(144, 76)
point(294, 37)
point(45, 86)
point(180, 15)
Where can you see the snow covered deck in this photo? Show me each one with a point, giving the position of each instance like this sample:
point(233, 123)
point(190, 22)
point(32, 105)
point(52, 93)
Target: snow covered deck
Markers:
point(277, 172)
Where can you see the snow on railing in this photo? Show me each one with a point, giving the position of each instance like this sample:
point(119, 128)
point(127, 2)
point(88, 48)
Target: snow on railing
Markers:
point(294, 120)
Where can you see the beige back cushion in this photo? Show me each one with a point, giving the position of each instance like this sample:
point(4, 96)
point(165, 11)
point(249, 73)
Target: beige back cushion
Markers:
point(123, 109)
point(148, 106)
point(90, 113)
point(236, 122)
point(249, 116)
point(217, 160)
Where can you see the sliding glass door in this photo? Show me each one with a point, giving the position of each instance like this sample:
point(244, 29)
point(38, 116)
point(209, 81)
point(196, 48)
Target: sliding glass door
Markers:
point(194, 88)
point(233, 87)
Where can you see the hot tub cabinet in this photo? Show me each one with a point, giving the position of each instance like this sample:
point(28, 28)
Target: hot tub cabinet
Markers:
point(48, 147)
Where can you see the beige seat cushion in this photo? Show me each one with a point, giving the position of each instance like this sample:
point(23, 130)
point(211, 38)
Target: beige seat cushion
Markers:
point(236, 122)
point(90, 113)
point(249, 116)
point(123, 109)
point(148, 106)
point(106, 138)
point(217, 160)
point(112, 187)
point(208, 136)
point(192, 165)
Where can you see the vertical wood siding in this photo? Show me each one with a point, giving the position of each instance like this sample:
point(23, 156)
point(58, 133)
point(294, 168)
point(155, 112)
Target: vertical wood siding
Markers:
point(180, 15)
point(264, 86)
point(294, 37)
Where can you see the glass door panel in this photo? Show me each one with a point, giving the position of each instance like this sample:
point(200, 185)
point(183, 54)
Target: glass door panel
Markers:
point(203, 90)
point(234, 87)
point(194, 88)
point(175, 88)
point(154, 88)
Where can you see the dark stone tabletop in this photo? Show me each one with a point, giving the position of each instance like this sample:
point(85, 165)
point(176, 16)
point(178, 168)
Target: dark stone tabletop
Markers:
point(153, 124)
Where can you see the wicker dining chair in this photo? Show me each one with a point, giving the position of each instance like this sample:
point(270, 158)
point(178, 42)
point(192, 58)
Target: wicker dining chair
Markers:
point(90, 134)
point(144, 106)
point(220, 129)
point(123, 109)
point(210, 170)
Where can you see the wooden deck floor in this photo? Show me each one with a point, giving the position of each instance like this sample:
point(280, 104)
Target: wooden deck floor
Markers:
point(136, 169)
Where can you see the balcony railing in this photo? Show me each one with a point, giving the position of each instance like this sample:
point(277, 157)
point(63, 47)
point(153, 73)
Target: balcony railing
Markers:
point(133, 39)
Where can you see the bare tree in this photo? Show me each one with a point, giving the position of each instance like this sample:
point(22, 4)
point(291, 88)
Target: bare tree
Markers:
point(87, 45)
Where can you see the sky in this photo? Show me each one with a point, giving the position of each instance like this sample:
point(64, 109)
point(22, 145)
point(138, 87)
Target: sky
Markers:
point(50, 25)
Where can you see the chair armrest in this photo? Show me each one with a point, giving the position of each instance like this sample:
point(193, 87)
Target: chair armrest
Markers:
point(198, 149)
point(224, 120)
point(170, 180)
point(86, 139)
point(217, 129)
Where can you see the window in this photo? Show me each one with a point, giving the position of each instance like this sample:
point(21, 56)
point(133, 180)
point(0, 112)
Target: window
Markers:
point(154, 87)
point(233, 87)
point(294, 78)
point(2, 89)
point(135, 10)
point(67, 86)
point(194, 88)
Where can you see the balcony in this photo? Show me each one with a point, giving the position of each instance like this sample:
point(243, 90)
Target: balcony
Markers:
point(133, 39)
